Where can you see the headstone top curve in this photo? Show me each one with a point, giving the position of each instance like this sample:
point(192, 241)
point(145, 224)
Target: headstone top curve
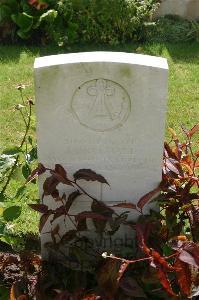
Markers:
point(101, 56)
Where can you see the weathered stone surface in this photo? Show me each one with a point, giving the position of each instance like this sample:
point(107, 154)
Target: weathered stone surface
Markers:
point(185, 8)
point(103, 111)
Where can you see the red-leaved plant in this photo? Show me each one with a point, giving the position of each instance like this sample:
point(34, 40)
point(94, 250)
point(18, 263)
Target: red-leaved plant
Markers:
point(163, 263)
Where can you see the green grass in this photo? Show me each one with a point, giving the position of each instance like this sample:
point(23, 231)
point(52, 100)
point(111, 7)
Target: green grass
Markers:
point(16, 65)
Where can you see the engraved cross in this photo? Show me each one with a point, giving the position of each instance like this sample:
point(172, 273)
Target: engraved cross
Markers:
point(101, 107)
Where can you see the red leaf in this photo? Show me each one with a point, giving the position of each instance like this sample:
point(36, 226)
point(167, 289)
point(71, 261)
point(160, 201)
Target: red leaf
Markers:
point(55, 195)
point(146, 198)
point(91, 297)
point(60, 174)
point(131, 288)
point(165, 282)
point(35, 173)
point(183, 273)
point(71, 199)
point(89, 175)
point(90, 215)
point(43, 220)
point(103, 210)
point(125, 205)
point(122, 269)
point(169, 152)
point(56, 230)
point(49, 185)
point(60, 211)
point(42, 208)
point(63, 296)
point(188, 258)
point(193, 250)
point(60, 170)
point(82, 226)
point(160, 261)
point(68, 236)
point(60, 178)
point(193, 130)
point(189, 251)
point(172, 168)
point(141, 240)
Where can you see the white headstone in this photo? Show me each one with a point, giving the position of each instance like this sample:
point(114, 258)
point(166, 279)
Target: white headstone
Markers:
point(103, 111)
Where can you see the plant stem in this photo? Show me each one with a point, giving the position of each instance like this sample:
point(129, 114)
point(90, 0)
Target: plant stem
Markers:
point(94, 199)
point(23, 100)
point(23, 117)
point(127, 260)
point(17, 158)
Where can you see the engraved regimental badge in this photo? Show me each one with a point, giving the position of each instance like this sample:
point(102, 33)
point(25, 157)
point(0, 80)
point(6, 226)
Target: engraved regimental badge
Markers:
point(101, 104)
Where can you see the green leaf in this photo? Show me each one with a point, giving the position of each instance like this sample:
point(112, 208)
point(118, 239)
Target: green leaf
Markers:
point(4, 293)
point(2, 228)
point(14, 241)
point(1, 208)
point(13, 4)
point(24, 21)
point(12, 213)
point(23, 35)
point(11, 151)
point(30, 139)
point(1, 211)
point(26, 7)
point(32, 155)
point(26, 171)
point(5, 13)
point(20, 191)
point(51, 14)
point(2, 197)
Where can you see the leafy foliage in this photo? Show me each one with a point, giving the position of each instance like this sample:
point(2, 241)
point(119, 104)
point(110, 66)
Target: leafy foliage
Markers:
point(22, 159)
point(172, 29)
point(165, 260)
point(66, 22)
point(24, 17)
point(100, 21)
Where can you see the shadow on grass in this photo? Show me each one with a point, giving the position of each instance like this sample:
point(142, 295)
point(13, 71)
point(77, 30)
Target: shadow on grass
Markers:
point(13, 52)
point(177, 52)
point(184, 52)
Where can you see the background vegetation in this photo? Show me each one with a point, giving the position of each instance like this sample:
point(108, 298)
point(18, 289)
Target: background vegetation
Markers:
point(66, 22)
point(33, 28)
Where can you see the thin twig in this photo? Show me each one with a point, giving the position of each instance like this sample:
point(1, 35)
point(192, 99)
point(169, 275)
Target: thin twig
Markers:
point(23, 100)
point(21, 145)
point(127, 260)
point(23, 117)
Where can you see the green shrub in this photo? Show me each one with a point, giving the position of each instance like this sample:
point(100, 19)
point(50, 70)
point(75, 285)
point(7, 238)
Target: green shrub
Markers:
point(171, 29)
point(66, 22)
point(23, 18)
point(99, 21)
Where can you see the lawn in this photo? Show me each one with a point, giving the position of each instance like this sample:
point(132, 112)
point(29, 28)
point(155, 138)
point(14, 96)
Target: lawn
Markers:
point(16, 65)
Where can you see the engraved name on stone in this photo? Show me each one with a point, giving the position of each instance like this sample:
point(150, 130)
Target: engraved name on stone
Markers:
point(101, 104)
